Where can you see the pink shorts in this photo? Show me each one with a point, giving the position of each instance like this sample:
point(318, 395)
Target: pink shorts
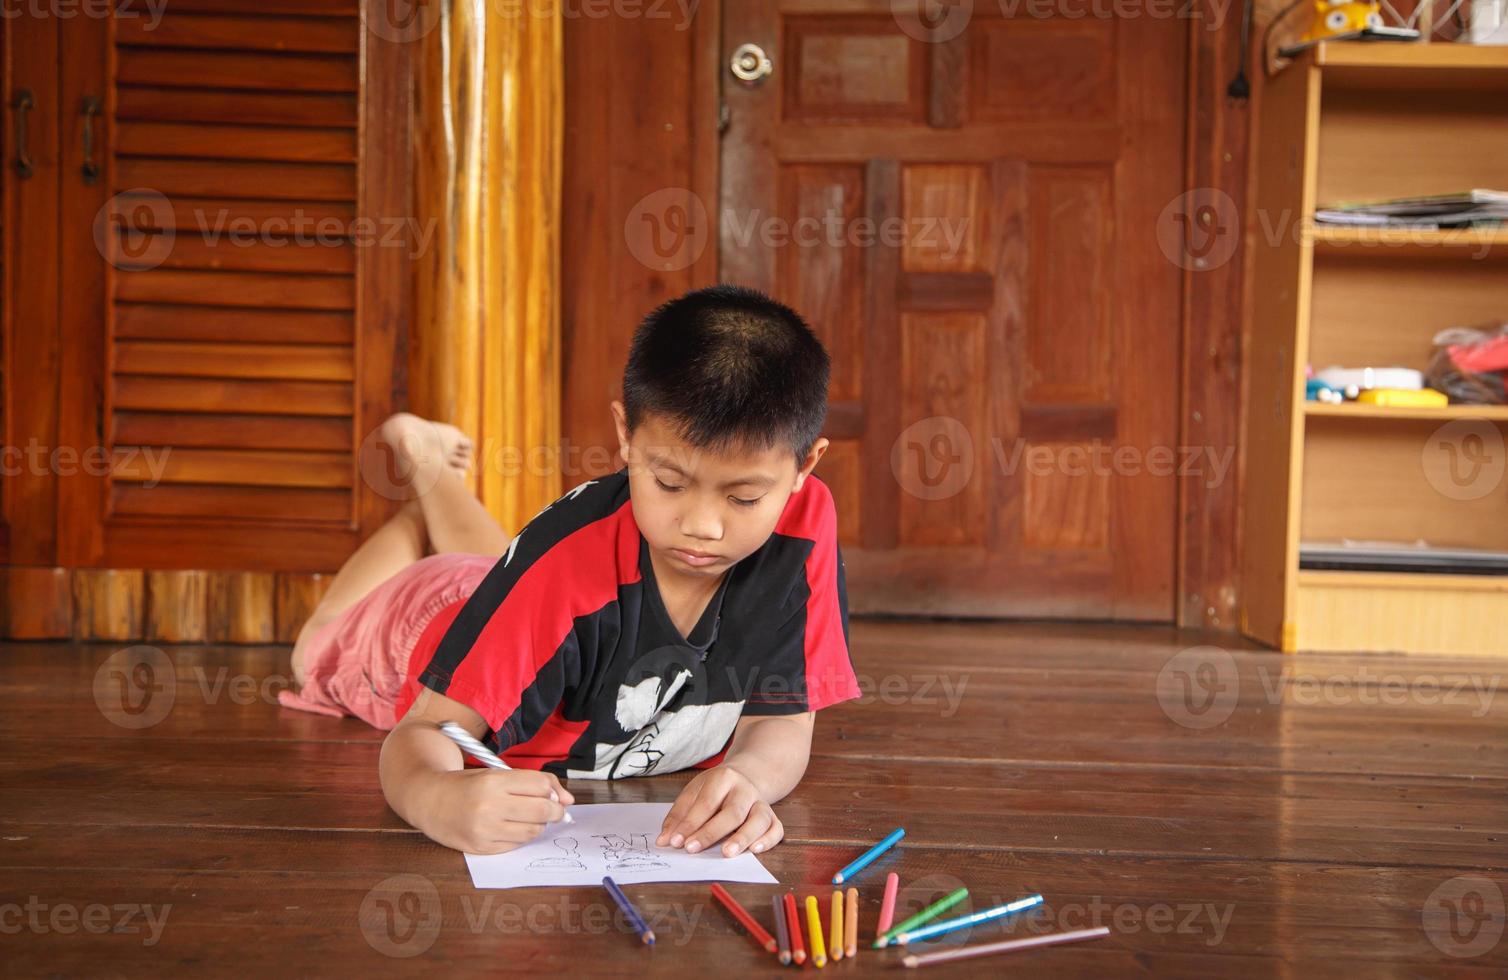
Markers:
point(356, 664)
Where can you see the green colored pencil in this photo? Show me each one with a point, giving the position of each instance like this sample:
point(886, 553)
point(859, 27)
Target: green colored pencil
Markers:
point(925, 915)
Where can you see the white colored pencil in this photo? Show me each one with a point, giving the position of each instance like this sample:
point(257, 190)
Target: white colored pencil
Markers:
point(1009, 945)
point(480, 752)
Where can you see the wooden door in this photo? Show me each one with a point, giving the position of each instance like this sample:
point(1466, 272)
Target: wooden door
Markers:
point(29, 349)
point(967, 210)
point(232, 271)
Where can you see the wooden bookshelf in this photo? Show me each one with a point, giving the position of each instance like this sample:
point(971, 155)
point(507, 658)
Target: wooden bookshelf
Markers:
point(1352, 122)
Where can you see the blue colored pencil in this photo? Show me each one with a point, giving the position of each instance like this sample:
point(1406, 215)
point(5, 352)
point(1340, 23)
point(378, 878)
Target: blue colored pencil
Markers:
point(634, 919)
point(864, 859)
point(964, 921)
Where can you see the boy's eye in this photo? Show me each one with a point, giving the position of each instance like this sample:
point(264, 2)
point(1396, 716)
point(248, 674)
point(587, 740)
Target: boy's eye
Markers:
point(745, 503)
point(665, 486)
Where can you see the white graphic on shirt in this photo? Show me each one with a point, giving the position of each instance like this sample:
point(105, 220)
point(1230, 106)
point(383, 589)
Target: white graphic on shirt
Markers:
point(637, 705)
point(672, 740)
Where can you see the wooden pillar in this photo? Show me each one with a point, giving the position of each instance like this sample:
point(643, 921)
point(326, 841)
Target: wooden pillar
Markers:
point(485, 349)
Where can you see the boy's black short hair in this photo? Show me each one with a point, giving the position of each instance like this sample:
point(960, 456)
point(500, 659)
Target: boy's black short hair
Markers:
point(730, 368)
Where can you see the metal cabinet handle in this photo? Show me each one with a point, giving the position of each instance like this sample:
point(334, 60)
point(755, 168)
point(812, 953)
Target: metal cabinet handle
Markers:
point(22, 104)
point(89, 169)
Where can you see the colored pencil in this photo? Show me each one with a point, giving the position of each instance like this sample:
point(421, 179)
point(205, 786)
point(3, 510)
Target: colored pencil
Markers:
point(754, 928)
point(782, 933)
point(925, 915)
point(887, 904)
point(905, 936)
point(863, 860)
point(480, 752)
point(987, 949)
point(835, 924)
point(851, 923)
point(814, 932)
point(793, 923)
point(631, 913)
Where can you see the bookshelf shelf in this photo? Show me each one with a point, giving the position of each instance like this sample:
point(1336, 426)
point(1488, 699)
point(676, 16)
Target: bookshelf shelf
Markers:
point(1356, 122)
point(1446, 413)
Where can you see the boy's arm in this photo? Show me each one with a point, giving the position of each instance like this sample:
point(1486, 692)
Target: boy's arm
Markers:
point(481, 811)
point(765, 761)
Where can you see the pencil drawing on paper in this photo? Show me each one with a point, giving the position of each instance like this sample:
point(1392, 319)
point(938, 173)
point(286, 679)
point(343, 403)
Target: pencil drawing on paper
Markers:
point(629, 852)
point(567, 860)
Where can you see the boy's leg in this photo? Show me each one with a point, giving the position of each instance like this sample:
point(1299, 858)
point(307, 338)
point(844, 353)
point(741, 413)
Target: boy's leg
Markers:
point(426, 453)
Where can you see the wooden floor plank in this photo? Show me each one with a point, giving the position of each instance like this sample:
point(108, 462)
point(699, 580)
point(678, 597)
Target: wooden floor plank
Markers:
point(1305, 832)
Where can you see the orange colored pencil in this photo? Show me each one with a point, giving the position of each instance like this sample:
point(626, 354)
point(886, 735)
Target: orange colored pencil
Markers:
point(756, 930)
point(851, 923)
point(793, 925)
point(835, 944)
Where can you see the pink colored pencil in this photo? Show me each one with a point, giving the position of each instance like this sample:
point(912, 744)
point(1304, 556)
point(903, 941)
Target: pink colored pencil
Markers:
point(887, 904)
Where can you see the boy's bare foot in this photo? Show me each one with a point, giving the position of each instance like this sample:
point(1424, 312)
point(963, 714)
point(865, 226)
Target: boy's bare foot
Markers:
point(420, 446)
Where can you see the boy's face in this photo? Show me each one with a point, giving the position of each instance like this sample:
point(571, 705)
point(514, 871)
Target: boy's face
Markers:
point(702, 511)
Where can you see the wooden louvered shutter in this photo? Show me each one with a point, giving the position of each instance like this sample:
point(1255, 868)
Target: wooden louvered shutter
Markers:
point(240, 338)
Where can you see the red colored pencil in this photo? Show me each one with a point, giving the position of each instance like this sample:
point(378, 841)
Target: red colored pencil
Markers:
point(755, 929)
point(793, 925)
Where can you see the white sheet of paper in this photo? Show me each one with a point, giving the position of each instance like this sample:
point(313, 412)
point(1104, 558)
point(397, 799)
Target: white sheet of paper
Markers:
point(616, 839)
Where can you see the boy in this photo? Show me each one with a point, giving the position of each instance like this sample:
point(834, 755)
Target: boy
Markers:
point(688, 610)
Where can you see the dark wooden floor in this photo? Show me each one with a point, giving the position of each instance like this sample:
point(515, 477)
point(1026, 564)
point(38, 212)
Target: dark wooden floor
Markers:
point(1323, 815)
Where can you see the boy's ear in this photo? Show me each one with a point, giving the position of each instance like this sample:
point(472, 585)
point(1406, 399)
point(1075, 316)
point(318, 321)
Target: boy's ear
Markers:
point(810, 463)
point(620, 422)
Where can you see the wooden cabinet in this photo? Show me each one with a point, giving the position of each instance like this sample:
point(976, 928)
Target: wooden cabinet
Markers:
point(207, 277)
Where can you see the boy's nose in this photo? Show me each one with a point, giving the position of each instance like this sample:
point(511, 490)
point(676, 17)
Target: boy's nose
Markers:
point(702, 523)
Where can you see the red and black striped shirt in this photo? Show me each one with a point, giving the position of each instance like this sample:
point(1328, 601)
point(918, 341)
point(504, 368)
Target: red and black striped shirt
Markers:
point(568, 653)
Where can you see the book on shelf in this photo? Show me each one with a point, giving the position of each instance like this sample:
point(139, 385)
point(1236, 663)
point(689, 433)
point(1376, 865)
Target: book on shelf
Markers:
point(1479, 207)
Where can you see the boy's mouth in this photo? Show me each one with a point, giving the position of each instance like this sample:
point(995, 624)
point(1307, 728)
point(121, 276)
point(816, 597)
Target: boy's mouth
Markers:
point(696, 559)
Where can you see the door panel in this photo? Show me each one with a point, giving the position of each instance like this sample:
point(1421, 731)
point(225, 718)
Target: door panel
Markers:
point(979, 256)
point(220, 350)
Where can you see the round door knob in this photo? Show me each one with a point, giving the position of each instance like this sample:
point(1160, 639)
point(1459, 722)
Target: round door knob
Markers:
point(750, 64)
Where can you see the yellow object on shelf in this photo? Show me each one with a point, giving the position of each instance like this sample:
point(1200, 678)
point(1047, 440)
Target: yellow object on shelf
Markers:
point(1427, 397)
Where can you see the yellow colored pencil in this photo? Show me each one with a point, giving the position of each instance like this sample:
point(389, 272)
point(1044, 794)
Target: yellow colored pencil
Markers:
point(851, 923)
point(836, 943)
point(814, 927)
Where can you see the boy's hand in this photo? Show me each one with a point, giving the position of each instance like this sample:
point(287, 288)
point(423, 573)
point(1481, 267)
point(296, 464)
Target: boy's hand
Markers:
point(489, 811)
point(716, 803)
